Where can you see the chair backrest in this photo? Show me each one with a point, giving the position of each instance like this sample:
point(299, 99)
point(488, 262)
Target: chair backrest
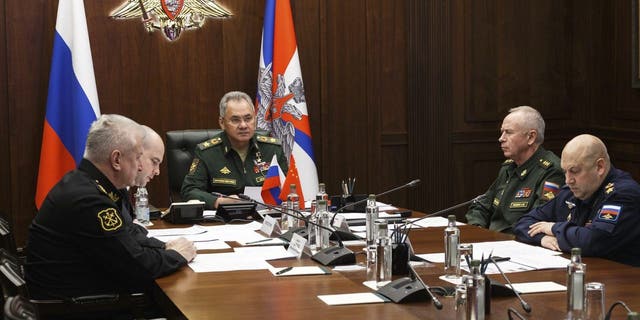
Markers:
point(179, 149)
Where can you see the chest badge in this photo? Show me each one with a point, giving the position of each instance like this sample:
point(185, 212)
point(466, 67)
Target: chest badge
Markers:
point(225, 170)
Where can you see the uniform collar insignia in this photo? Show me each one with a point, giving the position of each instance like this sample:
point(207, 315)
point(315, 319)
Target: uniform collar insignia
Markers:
point(113, 196)
point(225, 170)
point(609, 188)
point(523, 173)
point(570, 204)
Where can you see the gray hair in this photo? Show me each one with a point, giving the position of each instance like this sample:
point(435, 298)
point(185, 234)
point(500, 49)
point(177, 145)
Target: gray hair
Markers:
point(235, 96)
point(532, 120)
point(148, 135)
point(110, 132)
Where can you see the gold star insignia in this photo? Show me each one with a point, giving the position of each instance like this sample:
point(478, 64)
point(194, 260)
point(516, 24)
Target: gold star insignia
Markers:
point(608, 188)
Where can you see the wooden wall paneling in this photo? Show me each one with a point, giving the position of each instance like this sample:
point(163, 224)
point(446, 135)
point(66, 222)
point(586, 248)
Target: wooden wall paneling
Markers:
point(625, 109)
point(345, 95)
point(430, 102)
point(5, 145)
point(386, 95)
point(29, 41)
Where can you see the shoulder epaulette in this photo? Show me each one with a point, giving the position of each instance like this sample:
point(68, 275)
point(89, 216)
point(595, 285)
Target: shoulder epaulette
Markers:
point(114, 197)
point(209, 143)
point(545, 163)
point(508, 161)
point(271, 140)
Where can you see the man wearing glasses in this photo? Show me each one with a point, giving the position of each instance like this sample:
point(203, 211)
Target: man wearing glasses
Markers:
point(598, 210)
point(233, 159)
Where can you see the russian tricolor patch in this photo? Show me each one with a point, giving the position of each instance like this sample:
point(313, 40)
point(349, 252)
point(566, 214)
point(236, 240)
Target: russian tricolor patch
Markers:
point(609, 213)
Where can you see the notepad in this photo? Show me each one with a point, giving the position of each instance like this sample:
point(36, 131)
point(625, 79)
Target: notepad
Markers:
point(539, 286)
point(352, 298)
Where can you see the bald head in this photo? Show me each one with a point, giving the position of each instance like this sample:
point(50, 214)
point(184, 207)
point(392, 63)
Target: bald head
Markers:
point(153, 153)
point(586, 164)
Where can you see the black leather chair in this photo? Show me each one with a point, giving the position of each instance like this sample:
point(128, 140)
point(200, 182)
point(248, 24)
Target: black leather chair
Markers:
point(179, 149)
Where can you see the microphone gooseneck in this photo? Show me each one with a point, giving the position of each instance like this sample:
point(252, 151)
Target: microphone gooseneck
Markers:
point(445, 210)
point(436, 301)
point(409, 184)
point(524, 304)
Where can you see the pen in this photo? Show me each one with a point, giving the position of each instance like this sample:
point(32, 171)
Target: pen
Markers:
point(259, 241)
point(287, 269)
point(500, 259)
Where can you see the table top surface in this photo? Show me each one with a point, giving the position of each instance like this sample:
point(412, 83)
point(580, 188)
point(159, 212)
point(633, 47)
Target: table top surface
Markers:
point(256, 294)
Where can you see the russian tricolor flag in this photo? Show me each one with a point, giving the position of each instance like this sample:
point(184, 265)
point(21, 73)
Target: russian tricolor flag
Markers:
point(272, 182)
point(281, 106)
point(72, 103)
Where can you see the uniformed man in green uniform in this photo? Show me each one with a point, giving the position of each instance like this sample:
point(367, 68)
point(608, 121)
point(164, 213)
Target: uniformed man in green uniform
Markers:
point(529, 177)
point(235, 158)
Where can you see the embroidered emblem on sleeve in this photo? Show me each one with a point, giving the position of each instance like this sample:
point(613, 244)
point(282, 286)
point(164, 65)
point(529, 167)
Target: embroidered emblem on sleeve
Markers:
point(609, 213)
point(549, 190)
point(109, 219)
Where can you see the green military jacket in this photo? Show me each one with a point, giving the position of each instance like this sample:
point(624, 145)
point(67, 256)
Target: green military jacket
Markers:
point(517, 190)
point(216, 167)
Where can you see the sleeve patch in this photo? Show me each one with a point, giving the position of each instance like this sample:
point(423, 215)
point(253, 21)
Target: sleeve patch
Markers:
point(109, 219)
point(609, 213)
point(549, 190)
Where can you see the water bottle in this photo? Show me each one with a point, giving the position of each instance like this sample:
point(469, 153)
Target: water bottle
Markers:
point(142, 205)
point(322, 193)
point(383, 253)
point(323, 219)
point(292, 207)
point(475, 292)
point(451, 241)
point(371, 216)
point(575, 285)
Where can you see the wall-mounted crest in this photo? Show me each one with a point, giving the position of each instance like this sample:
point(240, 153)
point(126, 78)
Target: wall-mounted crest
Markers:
point(170, 16)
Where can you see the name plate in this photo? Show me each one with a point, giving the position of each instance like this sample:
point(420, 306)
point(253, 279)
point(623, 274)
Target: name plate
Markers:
point(268, 224)
point(296, 246)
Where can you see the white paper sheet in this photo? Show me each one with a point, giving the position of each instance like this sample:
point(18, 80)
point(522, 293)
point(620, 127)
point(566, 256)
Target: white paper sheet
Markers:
point(228, 261)
point(351, 298)
point(264, 253)
point(301, 271)
point(540, 286)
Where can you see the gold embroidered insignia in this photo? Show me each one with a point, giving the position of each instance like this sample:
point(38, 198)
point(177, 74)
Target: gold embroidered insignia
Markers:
point(545, 163)
point(549, 195)
point(496, 202)
point(508, 161)
point(225, 170)
point(194, 165)
point(259, 179)
point(109, 219)
point(523, 173)
point(114, 197)
point(206, 144)
point(609, 188)
point(570, 205)
point(569, 217)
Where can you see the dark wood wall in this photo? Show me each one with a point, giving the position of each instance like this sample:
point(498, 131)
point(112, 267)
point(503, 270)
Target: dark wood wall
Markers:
point(396, 90)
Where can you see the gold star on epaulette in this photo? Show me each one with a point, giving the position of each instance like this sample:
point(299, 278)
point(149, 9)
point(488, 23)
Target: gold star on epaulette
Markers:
point(266, 139)
point(225, 170)
point(608, 188)
point(545, 163)
point(209, 143)
point(206, 144)
point(508, 161)
point(114, 197)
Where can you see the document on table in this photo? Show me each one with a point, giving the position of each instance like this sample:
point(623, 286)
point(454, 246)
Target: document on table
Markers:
point(539, 286)
point(431, 222)
point(352, 298)
point(228, 261)
point(265, 253)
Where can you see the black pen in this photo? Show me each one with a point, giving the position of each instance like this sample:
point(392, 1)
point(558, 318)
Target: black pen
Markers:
point(500, 259)
point(258, 241)
point(287, 269)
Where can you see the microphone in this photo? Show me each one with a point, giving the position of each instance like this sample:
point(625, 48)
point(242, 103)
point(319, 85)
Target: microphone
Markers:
point(524, 304)
point(331, 256)
point(512, 311)
point(408, 289)
point(445, 210)
point(409, 184)
point(630, 314)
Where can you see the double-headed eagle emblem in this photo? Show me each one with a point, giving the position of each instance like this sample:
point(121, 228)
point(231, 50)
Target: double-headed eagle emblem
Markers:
point(170, 16)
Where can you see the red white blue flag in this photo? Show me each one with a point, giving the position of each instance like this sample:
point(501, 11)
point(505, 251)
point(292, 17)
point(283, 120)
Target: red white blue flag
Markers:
point(281, 106)
point(72, 102)
point(272, 183)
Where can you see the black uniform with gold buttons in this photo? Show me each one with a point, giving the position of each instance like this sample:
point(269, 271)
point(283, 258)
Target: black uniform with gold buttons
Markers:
point(80, 243)
point(216, 167)
point(517, 190)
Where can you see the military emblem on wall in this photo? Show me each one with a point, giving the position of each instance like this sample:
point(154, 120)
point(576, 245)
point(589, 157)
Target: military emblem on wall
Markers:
point(170, 16)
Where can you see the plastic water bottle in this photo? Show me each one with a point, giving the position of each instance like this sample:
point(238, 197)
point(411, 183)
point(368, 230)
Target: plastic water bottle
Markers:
point(575, 285)
point(323, 219)
point(292, 207)
point(383, 253)
point(142, 205)
point(451, 241)
point(475, 292)
point(371, 216)
point(322, 193)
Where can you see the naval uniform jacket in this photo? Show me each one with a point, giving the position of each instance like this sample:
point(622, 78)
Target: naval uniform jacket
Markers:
point(606, 225)
point(81, 243)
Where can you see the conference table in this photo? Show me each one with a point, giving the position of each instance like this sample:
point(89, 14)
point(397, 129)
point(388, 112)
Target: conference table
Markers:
point(258, 294)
